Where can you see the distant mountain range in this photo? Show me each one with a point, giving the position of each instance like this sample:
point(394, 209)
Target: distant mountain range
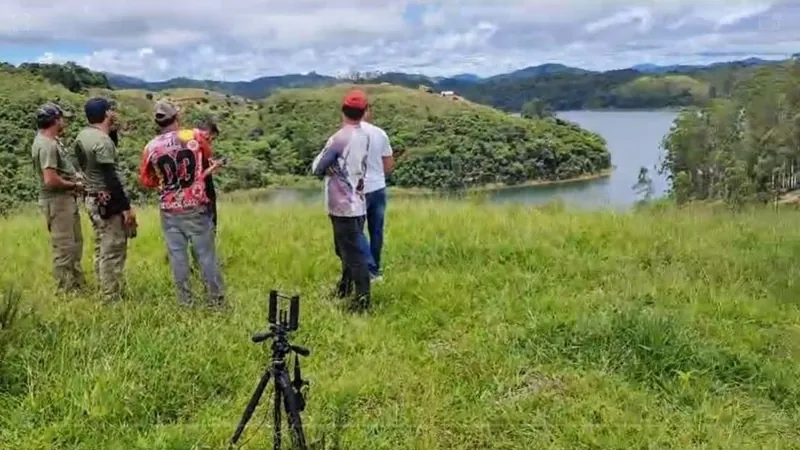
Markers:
point(507, 91)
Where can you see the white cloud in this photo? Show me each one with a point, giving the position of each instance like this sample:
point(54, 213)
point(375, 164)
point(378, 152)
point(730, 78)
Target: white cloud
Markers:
point(244, 39)
point(633, 15)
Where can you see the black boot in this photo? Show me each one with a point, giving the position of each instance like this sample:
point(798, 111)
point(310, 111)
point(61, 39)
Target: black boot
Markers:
point(344, 288)
point(361, 303)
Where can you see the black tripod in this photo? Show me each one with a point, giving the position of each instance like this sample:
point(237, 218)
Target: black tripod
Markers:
point(289, 392)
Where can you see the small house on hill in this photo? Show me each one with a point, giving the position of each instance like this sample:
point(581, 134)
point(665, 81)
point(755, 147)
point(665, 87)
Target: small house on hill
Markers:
point(447, 93)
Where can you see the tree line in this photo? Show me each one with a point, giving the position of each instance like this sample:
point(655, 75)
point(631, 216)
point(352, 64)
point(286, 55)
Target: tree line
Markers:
point(741, 149)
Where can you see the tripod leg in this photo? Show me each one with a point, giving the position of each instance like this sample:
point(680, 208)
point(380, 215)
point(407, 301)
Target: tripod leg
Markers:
point(276, 423)
point(251, 406)
point(292, 410)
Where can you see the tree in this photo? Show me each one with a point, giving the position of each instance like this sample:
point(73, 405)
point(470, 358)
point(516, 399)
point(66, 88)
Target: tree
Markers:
point(536, 109)
point(644, 185)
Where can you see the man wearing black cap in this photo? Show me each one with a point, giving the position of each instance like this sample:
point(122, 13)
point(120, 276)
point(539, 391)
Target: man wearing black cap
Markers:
point(109, 209)
point(58, 187)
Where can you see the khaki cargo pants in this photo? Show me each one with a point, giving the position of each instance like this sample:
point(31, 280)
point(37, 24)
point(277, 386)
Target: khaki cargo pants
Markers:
point(64, 225)
point(110, 251)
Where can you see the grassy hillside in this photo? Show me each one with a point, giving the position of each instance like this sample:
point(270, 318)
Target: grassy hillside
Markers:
point(496, 328)
point(447, 143)
point(661, 91)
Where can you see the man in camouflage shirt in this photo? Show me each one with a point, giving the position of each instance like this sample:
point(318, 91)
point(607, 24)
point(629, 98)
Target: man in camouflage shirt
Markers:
point(59, 186)
point(109, 209)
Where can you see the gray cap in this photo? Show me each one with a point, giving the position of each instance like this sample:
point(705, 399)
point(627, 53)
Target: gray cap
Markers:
point(51, 111)
point(165, 110)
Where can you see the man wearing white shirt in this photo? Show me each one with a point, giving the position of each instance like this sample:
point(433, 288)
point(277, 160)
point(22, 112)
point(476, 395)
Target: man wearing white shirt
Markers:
point(379, 164)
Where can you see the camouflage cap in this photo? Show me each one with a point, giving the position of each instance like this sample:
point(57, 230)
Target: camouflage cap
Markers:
point(165, 110)
point(51, 111)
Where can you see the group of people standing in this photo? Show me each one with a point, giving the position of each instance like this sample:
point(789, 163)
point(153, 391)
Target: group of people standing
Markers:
point(179, 162)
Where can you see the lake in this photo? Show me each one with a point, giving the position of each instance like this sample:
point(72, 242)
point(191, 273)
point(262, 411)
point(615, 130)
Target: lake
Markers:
point(633, 138)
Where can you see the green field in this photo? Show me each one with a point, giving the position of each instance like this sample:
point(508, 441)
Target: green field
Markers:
point(496, 328)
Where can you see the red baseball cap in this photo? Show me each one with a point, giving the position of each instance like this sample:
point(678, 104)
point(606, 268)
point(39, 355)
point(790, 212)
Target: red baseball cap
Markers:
point(356, 98)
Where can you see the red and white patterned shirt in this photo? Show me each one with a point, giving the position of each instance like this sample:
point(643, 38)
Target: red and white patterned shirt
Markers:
point(174, 161)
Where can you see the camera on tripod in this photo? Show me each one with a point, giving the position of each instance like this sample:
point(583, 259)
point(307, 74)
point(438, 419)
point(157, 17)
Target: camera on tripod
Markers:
point(288, 395)
point(273, 312)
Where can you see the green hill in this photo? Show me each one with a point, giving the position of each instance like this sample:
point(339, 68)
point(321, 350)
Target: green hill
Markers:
point(561, 87)
point(661, 91)
point(495, 328)
point(446, 143)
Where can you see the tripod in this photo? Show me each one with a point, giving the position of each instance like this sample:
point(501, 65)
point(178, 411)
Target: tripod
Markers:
point(286, 392)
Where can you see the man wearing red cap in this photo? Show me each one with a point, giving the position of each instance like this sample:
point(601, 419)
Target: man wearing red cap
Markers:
point(343, 163)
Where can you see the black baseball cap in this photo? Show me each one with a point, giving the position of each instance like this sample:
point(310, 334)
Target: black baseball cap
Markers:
point(97, 107)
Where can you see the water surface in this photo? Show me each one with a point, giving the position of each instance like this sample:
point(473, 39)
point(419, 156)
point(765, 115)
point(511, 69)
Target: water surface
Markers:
point(633, 139)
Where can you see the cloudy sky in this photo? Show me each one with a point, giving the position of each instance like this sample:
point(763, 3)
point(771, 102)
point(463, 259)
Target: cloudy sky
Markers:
point(244, 39)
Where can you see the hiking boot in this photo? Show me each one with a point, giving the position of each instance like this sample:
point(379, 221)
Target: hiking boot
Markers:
point(360, 304)
point(344, 288)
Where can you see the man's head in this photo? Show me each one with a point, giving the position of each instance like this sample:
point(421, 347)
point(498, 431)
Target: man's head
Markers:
point(355, 105)
point(100, 111)
point(210, 127)
point(165, 114)
point(51, 116)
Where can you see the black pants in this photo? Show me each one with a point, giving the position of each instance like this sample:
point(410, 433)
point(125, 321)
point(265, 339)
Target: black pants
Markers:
point(346, 235)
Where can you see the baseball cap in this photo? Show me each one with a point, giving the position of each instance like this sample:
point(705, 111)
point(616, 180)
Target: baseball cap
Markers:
point(356, 98)
point(51, 111)
point(97, 107)
point(164, 110)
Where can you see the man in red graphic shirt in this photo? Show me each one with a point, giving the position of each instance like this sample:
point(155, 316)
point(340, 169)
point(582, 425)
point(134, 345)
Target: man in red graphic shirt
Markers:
point(173, 162)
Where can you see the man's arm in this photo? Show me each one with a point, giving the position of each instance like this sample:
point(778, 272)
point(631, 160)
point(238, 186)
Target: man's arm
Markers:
point(325, 159)
point(48, 158)
point(105, 156)
point(387, 156)
point(147, 174)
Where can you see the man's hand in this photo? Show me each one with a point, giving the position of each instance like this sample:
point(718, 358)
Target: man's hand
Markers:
point(129, 217)
point(216, 164)
point(79, 187)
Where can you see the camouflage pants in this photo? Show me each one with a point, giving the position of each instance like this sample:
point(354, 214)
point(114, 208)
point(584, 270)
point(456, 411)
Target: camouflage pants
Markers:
point(110, 250)
point(66, 239)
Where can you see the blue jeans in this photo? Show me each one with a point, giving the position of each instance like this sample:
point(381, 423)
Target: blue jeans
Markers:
point(376, 209)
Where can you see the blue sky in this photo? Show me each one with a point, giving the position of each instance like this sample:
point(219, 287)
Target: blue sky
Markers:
point(244, 39)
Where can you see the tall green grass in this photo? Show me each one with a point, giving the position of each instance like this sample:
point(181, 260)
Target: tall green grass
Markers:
point(495, 328)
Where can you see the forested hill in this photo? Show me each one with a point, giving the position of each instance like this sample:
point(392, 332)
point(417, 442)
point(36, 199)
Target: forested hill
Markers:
point(442, 142)
point(557, 86)
point(741, 149)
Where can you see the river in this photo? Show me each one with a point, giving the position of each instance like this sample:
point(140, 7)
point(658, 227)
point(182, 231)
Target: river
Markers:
point(633, 138)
